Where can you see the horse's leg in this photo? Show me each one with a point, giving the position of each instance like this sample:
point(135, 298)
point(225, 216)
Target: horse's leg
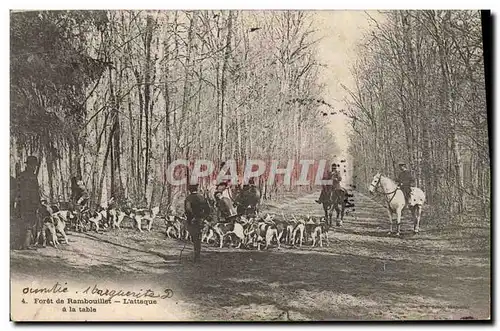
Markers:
point(330, 215)
point(301, 236)
point(325, 209)
point(342, 210)
point(389, 211)
point(417, 212)
point(398, 221)
point(414, 218)
point(337, 213)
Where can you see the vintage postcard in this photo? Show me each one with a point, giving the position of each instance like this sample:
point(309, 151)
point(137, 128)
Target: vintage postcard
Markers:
point(232, 165)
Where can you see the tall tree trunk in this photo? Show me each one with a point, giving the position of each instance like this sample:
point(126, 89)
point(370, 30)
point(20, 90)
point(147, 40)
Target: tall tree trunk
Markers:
point(50, 172)
point(105, 162)
point(227, 53)
point(147, 98)
point(186, 98)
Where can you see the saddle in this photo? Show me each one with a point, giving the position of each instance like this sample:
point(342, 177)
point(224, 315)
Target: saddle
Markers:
point(336, 192)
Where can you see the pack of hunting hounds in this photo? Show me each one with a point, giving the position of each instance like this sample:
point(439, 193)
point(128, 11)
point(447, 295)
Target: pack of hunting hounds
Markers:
point(240, 231)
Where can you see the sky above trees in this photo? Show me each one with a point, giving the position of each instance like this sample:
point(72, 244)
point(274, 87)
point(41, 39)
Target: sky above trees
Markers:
point(340, 31)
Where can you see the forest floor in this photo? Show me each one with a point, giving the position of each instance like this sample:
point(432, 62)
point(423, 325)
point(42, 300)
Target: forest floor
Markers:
point(363, 274)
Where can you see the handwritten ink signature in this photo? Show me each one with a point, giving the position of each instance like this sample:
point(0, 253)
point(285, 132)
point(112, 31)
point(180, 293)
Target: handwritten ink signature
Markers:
point(111, 293)
point(103, 292)
point(56, 288)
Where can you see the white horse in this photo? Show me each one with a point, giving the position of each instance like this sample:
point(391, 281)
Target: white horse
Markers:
point(396, 200)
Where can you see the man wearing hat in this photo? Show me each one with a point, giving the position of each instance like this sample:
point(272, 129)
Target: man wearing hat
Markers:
point(28, 201)
point(224, 206)
point(196, 209)
point(79, 199)
point(336, 177)
point(224, 188)
point(405, 180)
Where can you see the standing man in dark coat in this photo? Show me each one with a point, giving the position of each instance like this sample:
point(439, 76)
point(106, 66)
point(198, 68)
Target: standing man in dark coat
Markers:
point(405, 180)
point(79, 199)
point(196, 209)
point(79, 194)
point(28, 201)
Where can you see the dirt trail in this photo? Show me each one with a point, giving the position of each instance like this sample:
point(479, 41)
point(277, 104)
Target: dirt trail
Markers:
point(362, 274)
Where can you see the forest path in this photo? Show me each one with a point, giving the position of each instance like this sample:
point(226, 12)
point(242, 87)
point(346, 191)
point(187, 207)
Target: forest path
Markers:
point(363, 274)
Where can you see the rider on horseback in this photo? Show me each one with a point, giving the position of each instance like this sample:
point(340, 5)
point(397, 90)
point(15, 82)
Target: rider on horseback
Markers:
point(336, 177)
point(405, 180)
